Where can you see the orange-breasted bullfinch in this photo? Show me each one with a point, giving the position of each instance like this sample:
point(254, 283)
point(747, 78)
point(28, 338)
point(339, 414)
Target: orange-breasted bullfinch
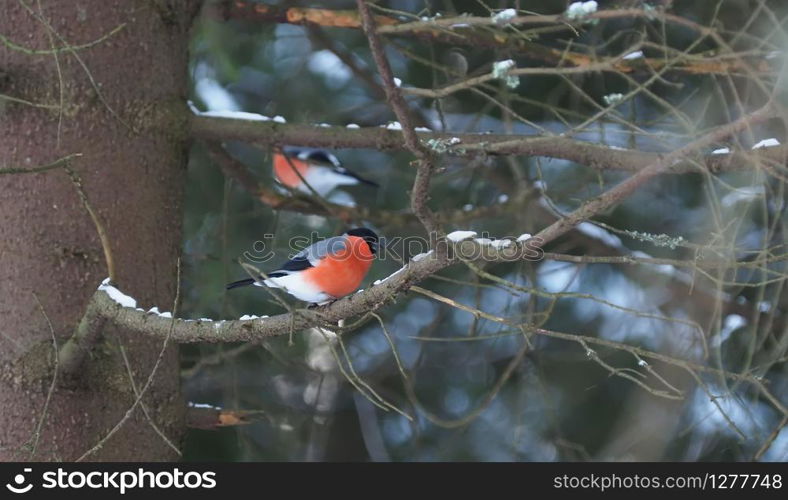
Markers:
point(320, 169)
point(326, 270)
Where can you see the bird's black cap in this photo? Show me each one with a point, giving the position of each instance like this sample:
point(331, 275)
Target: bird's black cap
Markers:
point(368, 235)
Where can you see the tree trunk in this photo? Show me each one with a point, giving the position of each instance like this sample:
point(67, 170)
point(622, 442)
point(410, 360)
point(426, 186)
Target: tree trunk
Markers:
point(119, 103)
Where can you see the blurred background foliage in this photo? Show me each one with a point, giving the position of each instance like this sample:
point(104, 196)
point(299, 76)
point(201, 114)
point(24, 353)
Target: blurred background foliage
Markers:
point(478, 393)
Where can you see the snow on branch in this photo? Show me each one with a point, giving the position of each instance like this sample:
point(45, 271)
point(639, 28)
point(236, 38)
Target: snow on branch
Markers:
point(110, 304)
point(268, 133)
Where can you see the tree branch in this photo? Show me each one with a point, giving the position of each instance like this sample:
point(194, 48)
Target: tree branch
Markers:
point(209, 418)
point(79, 345)
point(615, 195)
point(235, 9)
point(477, 31)
point(267, 134)
point(189, 331)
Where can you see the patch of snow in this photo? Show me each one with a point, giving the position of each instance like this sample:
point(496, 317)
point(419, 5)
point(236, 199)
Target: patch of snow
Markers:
point(422, 129)
point(767, 143)
point(235, 115)
point(504, 17)
point(119, 297)
point(421, 256)
point(378, 282)
point(578, 10)
point(612, 99)
point(523, 237)
point(498, 244)
point(394, 126)
point(483, 241)
point(456, 236)
point(721, 151)
point(247, 317)
point(279, 119)
point(502, 68)
point(442, 145)
point(501, 71)
point(352, 125)
point(203, 405)
point(634, 55)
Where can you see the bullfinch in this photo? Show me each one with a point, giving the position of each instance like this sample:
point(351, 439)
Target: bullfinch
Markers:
point(324, 271)
point(320, 169)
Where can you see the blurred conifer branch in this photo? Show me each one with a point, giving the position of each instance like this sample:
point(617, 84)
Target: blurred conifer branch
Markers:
point(479, 31)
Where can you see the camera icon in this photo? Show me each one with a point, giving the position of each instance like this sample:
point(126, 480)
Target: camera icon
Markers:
point(19, 481)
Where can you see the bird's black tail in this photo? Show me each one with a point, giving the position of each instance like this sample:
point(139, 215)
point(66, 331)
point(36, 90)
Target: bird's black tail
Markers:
point(236, 284)
point(360, 179)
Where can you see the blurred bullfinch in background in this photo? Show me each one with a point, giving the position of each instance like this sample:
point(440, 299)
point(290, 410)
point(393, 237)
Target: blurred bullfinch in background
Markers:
point(320, 169)
point(324, 271)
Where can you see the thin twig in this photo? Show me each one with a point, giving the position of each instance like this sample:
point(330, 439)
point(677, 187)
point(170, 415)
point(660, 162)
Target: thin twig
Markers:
point(59, 163)
point(102, 232)
point(421, 185)
point(52, 385)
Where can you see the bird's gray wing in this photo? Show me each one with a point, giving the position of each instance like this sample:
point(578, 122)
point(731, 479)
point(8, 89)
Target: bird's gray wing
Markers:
point(315, 252)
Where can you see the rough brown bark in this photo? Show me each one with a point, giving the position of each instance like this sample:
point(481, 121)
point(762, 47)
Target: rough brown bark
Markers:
point(132, 142)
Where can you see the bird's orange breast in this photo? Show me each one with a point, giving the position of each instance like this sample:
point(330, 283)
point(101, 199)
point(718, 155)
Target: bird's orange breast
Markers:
point(341, 273)
point(285, 170)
